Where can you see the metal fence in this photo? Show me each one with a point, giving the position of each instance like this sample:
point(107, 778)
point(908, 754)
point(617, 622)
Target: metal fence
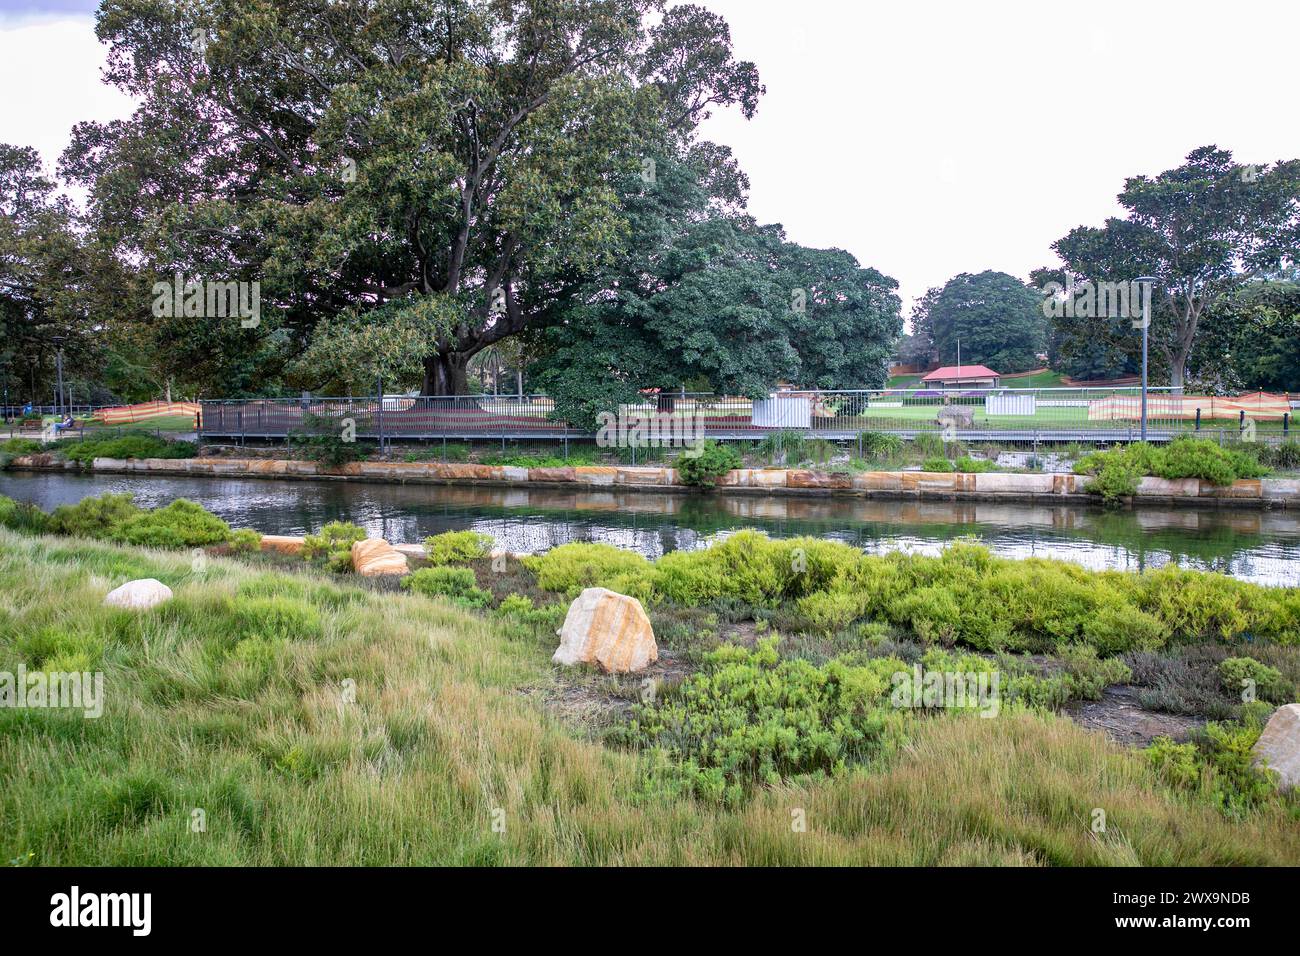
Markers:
point(1002, 414)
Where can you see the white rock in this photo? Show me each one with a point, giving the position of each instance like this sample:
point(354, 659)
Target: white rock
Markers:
point(1278, 746)
point(138, 595)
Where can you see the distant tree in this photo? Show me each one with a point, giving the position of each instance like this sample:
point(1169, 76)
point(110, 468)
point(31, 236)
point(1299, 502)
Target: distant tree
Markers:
point(998, 319)
point(48, 282)
point(1203, 230)
point(1254, 338)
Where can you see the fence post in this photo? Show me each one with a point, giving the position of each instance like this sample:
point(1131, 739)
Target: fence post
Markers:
point(1286, 423)
point(1198, 418)
point(379, 386)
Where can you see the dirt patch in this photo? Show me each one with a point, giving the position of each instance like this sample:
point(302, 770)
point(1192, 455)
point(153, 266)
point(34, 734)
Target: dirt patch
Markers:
point(584, 697)
point(1124, 720)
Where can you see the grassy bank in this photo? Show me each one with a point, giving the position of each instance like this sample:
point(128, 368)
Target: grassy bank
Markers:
point(233, 698)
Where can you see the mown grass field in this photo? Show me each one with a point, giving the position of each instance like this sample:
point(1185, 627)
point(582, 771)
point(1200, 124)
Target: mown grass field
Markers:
point(234, 699)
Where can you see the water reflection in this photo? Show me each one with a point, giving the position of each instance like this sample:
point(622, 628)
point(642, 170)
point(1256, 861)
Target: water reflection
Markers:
point(1254, 545)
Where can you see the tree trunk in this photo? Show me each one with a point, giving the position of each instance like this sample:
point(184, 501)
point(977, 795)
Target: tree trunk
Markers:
point(1177, 369)
point(445, 374)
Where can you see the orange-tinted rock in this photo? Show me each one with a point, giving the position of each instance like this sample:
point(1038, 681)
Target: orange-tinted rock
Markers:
point(375, 556)
point(550, 474)
point(284, 544)
point(608, 629)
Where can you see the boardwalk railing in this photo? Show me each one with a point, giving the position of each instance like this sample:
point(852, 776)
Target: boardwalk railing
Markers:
point(1007, 414)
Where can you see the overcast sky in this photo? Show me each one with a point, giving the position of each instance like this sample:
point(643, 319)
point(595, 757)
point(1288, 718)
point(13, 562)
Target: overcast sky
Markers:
point(926, 138)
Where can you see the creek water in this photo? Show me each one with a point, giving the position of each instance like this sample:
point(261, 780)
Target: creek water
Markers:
point(1260, 546)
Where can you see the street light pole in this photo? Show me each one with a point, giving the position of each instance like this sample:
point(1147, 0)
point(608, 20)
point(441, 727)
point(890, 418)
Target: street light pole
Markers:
point(58, 364)
point(1148, 283)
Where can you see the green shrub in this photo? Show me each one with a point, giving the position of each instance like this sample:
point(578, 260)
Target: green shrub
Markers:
point(20, 446)
point(23, 516)
point(1239, 674)
point(572, 567)
point(457, 547)
point(937, 463)
point(702, 470)
point(100, 517)
point(456, 584)
point(1121, 628)
point(928, 445)
point(1115, 479)
point(880, 446)
point(748, 717)
point(574, 460)
point(335, 536)
point(245, 541)
point(137, 445)
point(1220, 763)
point(1117, 471)
point(181, 524)
point(973, 466)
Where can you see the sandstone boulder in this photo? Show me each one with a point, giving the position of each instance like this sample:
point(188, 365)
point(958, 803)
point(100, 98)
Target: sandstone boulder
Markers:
point(283, 544)
point(138, 595)
point(608, 629)
point(1278, 746)
point(375, 557)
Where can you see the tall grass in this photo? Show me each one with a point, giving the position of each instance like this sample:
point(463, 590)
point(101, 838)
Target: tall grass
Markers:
point(233, 698)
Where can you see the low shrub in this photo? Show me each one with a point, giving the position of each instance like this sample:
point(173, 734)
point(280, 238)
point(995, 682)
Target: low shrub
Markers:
point(973, 466)
point(1285, 456)
point(334, 537)
point(20, 446)
point(457, 547)
point(572, 567)
point(748, 718)
point(181, 524)
point(703, 468)
point(245, 541)
point(22, 516)
point(1251, 680)
point(100, 517)
point(1116, 472)
point(937, 463)
point(1220, 763)
point(139, 445)
point(574, 460)
point(456, 584)
point(880, 445)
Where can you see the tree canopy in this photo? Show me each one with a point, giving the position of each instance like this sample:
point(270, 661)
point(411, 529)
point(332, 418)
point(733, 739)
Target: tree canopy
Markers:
point(425, 176)
point(998, 319)
point(1204, 230)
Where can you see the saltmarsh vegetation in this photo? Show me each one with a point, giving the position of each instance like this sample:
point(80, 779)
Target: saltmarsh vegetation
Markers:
point(315, 721)
point(1117, 471)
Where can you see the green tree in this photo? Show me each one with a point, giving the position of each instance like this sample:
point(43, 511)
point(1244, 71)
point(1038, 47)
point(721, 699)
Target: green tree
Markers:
point(707, 298)
point(998, 319)
point(1203, 230)
point(443, 167)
